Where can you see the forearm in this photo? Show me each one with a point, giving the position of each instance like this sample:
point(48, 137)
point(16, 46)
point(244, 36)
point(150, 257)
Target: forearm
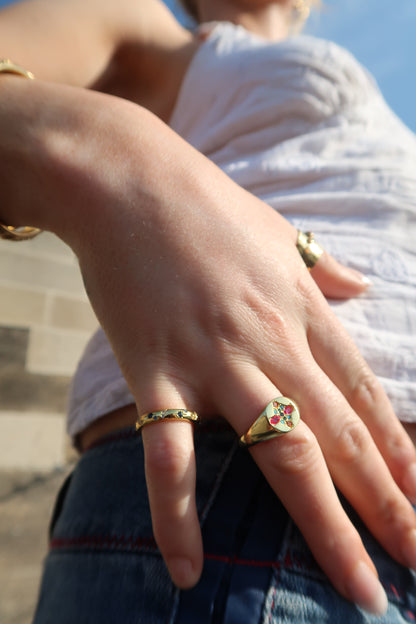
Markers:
point(74, 159)
point(54, 149)
point(76, 162)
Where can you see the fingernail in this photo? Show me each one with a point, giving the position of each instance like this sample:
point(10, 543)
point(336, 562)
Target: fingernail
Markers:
point(182, 572)
point(409, 483)
point(365, 280)
point(357, 276)
point(409, 549)
point(366, 590)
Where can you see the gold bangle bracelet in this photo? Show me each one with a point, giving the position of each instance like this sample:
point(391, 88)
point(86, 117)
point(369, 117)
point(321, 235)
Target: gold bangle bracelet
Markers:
point(7, 66)
point(10, 232)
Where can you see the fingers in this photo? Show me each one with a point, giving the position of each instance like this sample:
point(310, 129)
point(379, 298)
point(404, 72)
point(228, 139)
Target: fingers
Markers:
point(294, 463)
point(358, 468)
point(337, 281)
point(296, 470)
point(338, 357)
point(353, 457)
point(170, 477)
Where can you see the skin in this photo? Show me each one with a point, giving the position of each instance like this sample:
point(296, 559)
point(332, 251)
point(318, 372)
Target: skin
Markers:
point(103, 171)
point(268, 19)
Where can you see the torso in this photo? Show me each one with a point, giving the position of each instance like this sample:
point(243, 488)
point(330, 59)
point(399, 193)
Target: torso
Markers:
point(341, 83)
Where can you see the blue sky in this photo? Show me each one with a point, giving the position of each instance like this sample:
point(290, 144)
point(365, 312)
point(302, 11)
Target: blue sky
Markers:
point(382, 35)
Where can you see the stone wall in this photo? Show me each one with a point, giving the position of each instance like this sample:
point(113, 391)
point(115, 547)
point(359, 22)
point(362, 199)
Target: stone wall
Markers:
point(45, 322)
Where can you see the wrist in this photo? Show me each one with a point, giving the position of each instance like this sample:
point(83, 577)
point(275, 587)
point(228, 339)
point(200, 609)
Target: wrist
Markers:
point(45, 130)
point(17, 150)
point(7, 231)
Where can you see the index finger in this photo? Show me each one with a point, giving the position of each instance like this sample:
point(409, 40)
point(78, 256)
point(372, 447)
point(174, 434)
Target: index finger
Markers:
point(337, 355)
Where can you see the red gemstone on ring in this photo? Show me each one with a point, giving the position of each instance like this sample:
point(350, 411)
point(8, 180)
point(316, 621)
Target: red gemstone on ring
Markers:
point(288, 409)
point(275, 420)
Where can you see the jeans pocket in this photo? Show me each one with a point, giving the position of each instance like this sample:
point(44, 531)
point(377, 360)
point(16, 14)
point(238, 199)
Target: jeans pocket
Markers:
point(59, 504)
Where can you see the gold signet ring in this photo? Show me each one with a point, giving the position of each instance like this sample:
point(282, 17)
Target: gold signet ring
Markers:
point(279, 417)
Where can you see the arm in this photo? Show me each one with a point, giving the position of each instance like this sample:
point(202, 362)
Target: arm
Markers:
point(72, 41)
point(106, 45)
point(151, 220)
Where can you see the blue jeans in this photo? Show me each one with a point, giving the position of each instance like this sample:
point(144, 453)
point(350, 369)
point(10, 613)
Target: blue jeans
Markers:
point(104, 566)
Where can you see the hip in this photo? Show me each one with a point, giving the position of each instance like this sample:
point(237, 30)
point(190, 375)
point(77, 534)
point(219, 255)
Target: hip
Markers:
point(104, 564)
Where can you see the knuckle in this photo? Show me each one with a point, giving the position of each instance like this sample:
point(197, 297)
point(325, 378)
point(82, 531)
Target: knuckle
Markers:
point(393, 514)
point(353, 441)
point(365, 394)
point(400, 447)
point(276, 321)
point(298, 455)
point(270, 319)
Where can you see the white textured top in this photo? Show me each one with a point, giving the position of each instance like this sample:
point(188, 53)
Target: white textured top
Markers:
point(304, 127)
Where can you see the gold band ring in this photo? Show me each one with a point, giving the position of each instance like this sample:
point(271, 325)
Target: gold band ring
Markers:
point(308, 248)
point(278, 418)
point(167, 414)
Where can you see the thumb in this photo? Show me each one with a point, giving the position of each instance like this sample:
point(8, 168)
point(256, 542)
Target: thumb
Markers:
point(337, 281)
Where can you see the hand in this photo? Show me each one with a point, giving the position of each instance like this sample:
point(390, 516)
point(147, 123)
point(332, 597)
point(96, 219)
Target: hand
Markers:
point(209, 306)
point(216, 312)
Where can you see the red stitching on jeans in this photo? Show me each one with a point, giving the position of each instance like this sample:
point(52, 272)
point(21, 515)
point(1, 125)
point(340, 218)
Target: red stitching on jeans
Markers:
point(394, 590)
point(399, 594)
point(113, 541)
point(274, 586)
point(102, 541)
